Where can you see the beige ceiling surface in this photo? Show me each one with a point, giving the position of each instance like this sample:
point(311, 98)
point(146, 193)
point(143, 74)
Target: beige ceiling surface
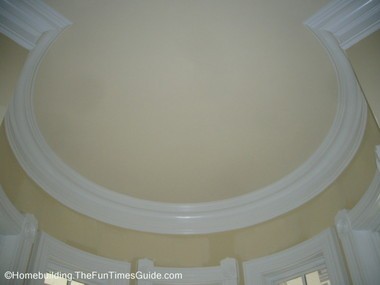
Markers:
point(185, 101)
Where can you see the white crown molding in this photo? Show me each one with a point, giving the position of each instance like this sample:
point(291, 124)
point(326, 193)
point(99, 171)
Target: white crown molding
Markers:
point(52, 255)
point(318, 252)
point(359, 232)
point(86, 197)
point(17, 235)
point(224, 274)
point(24, 21)
point(349, 21)
point(11, 219)
point(366, 214)
point(346, 235)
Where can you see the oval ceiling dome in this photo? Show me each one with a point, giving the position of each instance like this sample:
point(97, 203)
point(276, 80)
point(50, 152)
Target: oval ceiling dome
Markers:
point(185, 101)
point(185, 117)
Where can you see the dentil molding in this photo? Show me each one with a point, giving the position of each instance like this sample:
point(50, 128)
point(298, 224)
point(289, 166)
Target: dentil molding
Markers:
point(86, 197)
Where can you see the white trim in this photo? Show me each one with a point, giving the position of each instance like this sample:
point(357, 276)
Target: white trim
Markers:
point(361, 249)
point(17, 235)
point(366, 214)
point(11, 219)
point(224, 274)
point(24, 21)
point(56, 256)
point(88, 198)
point(321, 250)
point(349, 21)
point(359, 232)
point(377, 151)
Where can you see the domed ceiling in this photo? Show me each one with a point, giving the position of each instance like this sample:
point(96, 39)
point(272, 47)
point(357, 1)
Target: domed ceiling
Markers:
point(185, 101)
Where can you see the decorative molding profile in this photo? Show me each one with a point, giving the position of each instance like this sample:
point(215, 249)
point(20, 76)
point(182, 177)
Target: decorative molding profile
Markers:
point(365, 216)
point(224, 274)
point(86, 197)
point(17, 235)
point(319, 252)
point(349, 21)
point(359, 232)
point(52, 255)
point(11, 220)
point(24, 21)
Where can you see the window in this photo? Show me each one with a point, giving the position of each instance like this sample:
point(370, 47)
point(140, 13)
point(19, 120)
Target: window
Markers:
point(304, 264)
point(318, 277)
point(226, 273)
point(53, 256)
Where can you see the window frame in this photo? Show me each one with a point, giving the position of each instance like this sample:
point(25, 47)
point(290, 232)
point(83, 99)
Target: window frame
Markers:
point(301, 259)
point(52, 255)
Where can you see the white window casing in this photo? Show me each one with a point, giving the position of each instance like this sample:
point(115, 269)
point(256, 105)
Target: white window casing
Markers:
point(52, 255)
point(224, 274)
point(313, 254)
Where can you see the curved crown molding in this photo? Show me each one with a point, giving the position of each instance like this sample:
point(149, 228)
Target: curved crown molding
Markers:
point(86, 197)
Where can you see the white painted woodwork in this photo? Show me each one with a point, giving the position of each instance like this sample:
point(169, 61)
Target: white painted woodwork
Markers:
point(359, 232)
point(17, 235)
point(313, 254)
point(52, 255)
point(84, 196)
point(224, 274)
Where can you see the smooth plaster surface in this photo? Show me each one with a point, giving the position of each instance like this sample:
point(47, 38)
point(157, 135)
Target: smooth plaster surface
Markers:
point(185, 101)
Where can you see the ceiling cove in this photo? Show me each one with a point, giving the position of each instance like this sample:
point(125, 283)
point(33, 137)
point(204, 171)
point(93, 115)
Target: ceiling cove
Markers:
point(295, 189)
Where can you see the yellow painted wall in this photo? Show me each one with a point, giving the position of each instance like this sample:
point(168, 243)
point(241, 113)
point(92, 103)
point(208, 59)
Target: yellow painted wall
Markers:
point(12, 58)
point(365, 59)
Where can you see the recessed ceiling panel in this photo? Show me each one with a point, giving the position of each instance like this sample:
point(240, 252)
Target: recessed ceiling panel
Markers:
point(185, 101)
